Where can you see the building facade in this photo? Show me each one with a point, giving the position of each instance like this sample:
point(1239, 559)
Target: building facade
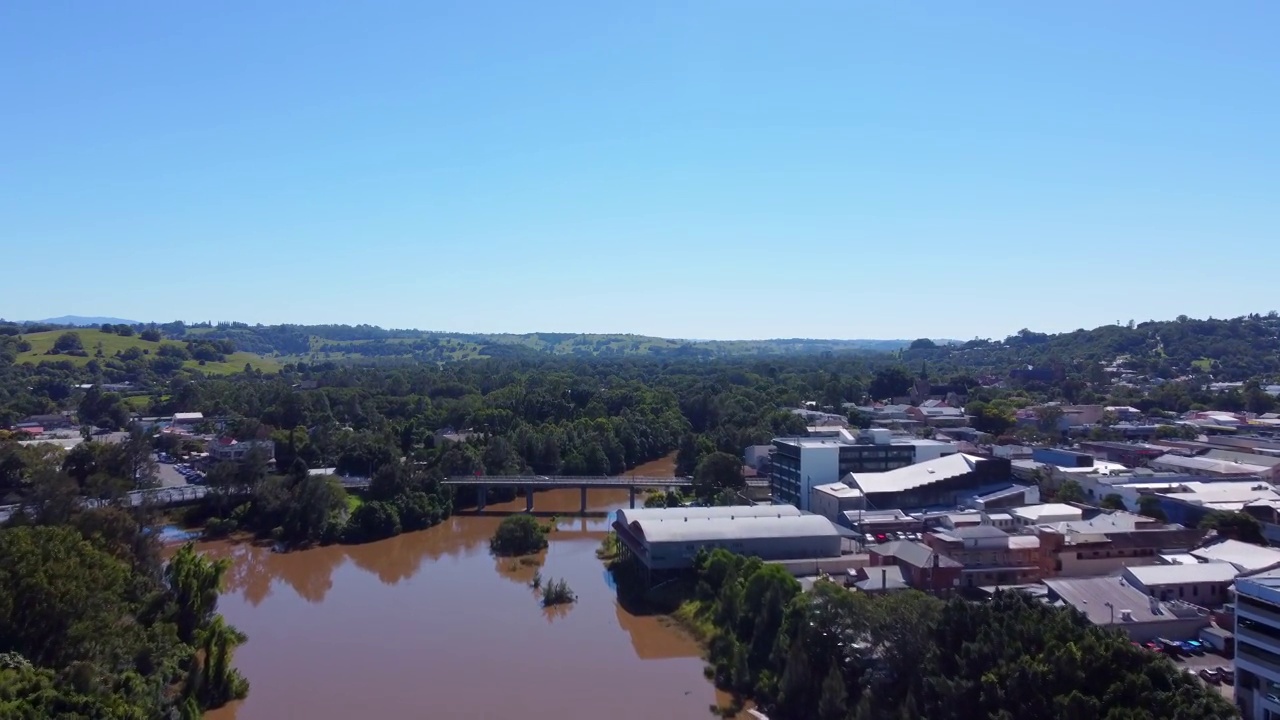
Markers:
point(800, 464)
point(989, 555)
point(1257, 634)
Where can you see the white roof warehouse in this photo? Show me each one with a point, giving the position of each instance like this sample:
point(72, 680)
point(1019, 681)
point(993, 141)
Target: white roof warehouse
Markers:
point(670, 538)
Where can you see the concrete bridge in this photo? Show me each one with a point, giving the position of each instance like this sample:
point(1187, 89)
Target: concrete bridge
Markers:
point(530, 483)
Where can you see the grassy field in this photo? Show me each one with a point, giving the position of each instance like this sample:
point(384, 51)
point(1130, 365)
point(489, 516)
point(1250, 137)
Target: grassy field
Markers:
point(111, 344)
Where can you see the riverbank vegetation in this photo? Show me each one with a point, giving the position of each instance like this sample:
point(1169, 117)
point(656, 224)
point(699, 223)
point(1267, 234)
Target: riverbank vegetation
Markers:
point(300, 509)
point(518, 535)
point(834, 654)
point(610, 548)
point(93, 626)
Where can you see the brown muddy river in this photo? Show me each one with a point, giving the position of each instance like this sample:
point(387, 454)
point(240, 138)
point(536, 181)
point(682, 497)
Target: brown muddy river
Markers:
point(429, 625)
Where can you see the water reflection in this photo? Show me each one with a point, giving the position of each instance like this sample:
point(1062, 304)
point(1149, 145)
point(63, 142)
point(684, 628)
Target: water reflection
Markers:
point(421, 625)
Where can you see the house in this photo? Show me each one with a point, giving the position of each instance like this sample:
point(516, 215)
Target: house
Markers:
point(1112, 602)
point(990, 556)
point(449, 435)
point(188, 418)
point(1203, 584)
point(54, 421)
point(939, 416)
point(885, 578)
point(229, 449)
point(922, 568)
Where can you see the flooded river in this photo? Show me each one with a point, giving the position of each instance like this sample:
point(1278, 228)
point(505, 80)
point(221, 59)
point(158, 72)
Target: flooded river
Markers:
point(429, 625)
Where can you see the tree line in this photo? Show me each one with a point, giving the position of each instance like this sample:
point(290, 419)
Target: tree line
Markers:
point(834, 654)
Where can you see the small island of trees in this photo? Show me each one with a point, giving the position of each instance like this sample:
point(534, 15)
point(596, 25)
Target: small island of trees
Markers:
point(518, 535)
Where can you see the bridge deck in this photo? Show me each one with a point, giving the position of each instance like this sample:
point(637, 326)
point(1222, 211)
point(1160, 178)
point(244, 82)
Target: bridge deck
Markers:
point(570, 481)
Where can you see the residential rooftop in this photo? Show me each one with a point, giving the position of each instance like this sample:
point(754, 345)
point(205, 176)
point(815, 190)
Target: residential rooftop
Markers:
point(913, 553)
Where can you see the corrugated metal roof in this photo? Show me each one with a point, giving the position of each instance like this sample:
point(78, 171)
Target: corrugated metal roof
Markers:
point(1156, 575)
point(734, 528)
point(914, 476)
point(1240, 554)
point(681, 514)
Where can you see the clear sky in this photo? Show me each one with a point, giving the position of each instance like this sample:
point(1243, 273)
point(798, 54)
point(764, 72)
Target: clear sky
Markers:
point(707, 169)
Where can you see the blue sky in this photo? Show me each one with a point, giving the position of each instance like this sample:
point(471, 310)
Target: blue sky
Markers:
point(715, 169)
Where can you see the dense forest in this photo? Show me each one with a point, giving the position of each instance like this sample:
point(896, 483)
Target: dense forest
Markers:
point(830, 654)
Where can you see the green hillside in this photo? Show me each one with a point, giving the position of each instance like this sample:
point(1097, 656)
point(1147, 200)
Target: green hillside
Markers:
point(110, 344)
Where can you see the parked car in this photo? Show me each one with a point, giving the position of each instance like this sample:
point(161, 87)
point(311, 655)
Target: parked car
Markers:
point(1186, 648)
point(1152, 646)
point(1169, 647)
point(1210, 675)
point(1197, 647)
point(1227, 674)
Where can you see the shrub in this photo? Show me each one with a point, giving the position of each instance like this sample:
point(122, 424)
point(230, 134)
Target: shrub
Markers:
point(557, 592)
point(518, 535)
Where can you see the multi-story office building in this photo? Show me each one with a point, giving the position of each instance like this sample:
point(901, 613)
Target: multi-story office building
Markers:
point(799, 464)
point(1258, 646)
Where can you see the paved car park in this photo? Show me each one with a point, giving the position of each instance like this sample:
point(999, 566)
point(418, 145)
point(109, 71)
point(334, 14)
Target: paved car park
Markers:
point(1194, 663)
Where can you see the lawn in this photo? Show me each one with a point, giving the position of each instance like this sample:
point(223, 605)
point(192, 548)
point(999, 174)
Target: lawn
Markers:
point(111, 344)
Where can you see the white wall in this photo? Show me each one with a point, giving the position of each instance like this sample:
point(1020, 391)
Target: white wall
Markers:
point(818, 466)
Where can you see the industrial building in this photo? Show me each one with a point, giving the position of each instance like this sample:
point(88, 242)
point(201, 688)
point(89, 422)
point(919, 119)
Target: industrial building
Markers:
point(1203, 584)
point(1112, 602)
point(670, 538)
point(800, 464)
point(831, 500)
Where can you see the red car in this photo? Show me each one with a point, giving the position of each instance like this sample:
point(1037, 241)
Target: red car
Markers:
point(1153, 647)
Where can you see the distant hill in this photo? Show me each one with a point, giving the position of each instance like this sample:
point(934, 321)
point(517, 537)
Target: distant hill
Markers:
point(345, 342)
point(112, 346)
point(84, 321)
